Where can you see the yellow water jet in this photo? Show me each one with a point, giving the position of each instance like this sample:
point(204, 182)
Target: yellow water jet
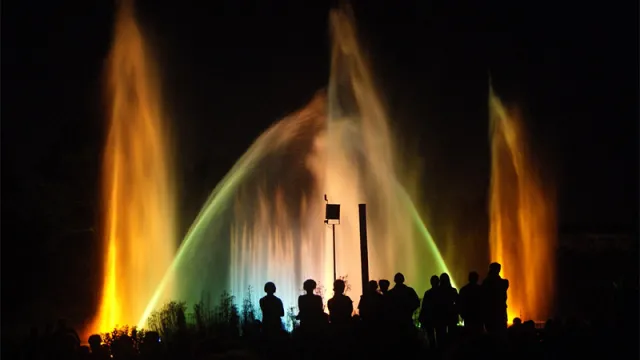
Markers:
point(138, 191)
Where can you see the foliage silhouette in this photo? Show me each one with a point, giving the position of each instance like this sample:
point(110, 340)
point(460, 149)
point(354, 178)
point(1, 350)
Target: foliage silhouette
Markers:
point(136, 335)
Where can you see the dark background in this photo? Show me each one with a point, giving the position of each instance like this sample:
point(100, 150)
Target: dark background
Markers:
point(231, 69)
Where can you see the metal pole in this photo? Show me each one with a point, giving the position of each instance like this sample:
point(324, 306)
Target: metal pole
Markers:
point(364, 251)
point(335, 277)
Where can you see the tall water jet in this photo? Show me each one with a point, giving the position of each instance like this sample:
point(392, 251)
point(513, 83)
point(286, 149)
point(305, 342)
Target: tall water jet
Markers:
point(362, 167)
point(264, 220)
point(522, 235)
point(138, 190)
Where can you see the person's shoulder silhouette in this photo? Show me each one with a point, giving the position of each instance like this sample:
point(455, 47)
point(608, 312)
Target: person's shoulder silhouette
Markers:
point(428, 302)
point(310, 305)
point(405, 300)
point(340, 306)
point(370, 305)
point(271, 307)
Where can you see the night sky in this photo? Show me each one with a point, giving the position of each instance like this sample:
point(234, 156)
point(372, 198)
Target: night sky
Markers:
point(231, 69)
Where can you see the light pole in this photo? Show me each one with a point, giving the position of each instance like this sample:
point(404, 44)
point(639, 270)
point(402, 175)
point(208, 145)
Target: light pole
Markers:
point(364, 250)
point(332, 217)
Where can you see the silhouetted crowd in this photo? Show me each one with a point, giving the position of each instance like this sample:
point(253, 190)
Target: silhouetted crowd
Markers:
point(391, 322)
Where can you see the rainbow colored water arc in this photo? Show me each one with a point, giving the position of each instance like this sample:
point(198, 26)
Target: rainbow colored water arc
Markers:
point(222, 193)
point(350, 128)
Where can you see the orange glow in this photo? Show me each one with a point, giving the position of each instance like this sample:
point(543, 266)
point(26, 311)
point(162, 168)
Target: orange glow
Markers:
point(138, 191)
point(522, 232)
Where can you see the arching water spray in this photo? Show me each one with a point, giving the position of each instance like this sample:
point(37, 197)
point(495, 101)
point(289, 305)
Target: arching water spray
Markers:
point(264, 220)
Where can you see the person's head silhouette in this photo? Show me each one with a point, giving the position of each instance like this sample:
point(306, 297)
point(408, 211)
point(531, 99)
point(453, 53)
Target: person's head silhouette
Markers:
point(435, 281)
point(445, 281)
point(338, 287)
point(95, 341)
point(384, 285)
point(530, 324)
point(309, 286)
point(373, 286)
point(398, 279)
point(473, 277)
point(270, 288)
point(495, 268)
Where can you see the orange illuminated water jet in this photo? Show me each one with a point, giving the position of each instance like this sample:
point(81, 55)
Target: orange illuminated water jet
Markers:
point(139, 241)
point(522, 233)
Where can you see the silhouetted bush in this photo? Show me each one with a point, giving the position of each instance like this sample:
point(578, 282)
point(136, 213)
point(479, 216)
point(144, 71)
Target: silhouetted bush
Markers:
point(248, 308)
point(204, 315)
point(227, 319)
point(320, 291)
point(249, 321)
point(223, 323)
point(136, 335)
point(291, 321)
point(170, 319)
point(416, 316)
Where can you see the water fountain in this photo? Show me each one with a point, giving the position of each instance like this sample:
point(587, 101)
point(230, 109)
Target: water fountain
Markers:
point(264, 220)
point(138, 189)
point(522, 235)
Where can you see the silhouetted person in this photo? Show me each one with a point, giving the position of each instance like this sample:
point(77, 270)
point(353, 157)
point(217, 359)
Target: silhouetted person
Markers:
point(470, 304)
point(84, 353)
point(371, 312)
point(312, 318)
point(404, 302)
point(340, 305)
point(529, 337)
point(551, 333)
point(65, 340)
point(272, 310)
point(98, 352)
point(494, 292)
point(386, 311)
point(427, 312)
point(151, 347)
point(446, 319)
point(311, 312)
point(122, 348)
point(514, 331)
point(384, 286)
point(340, 310)
point(370, 306)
